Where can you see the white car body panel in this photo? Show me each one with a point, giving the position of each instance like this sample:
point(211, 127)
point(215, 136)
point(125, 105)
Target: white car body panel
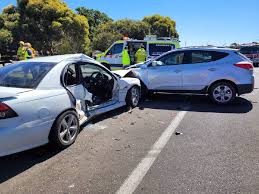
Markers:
point(38, 108)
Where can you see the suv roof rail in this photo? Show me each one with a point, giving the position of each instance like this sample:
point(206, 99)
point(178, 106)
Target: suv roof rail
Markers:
point(204, 47)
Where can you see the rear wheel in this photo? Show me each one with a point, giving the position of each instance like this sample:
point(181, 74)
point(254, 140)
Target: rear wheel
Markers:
point(133, 97)
point(65, 130)
point(222, 93)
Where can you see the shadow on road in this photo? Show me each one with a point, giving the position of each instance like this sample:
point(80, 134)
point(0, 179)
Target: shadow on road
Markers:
point(195, 104)
point(15, 164)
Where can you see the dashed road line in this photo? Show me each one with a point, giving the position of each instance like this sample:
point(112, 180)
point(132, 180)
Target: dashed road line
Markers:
point(135, 178)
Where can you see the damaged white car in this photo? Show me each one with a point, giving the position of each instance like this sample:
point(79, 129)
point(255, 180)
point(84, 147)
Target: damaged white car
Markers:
point(47, 99)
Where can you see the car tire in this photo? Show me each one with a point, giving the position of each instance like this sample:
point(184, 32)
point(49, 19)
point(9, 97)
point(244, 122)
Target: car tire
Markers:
point(222, 93)
point(144, 91)
point(133, 96)
point(65, 130)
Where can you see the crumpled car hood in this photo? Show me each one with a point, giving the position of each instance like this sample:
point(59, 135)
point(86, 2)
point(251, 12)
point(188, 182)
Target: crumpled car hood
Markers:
point(122, 73)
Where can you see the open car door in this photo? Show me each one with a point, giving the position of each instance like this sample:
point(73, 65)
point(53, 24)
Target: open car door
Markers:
point(100, 83)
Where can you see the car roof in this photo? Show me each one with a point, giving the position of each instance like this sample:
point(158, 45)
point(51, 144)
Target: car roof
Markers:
point(59, 58)
point(224, 49)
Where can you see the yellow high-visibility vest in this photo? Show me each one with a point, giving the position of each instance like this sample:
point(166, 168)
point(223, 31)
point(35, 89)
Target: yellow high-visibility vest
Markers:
point(141, 55)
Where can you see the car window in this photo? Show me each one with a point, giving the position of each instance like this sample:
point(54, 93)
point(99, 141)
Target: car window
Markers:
point(115, 49)
point(174, 58)
point(159, 49)
point(201, 57)
point(24, 74)
point(71, 76)
point(88, 70)
point(205, 56)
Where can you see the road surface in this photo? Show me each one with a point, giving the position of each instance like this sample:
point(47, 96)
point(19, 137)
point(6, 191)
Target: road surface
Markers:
point(216, 151)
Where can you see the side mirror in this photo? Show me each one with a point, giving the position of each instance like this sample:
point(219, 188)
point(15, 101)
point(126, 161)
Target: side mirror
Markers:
point(156, 63)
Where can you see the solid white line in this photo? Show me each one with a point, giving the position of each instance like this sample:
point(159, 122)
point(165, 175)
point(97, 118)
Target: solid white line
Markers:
point(135, 178)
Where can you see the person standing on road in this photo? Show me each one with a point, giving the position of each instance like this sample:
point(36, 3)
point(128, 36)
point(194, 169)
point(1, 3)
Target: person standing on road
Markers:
point(125, 57)
point(28, 52)
point(32, 50)
point(21, 51)
point(141, 54)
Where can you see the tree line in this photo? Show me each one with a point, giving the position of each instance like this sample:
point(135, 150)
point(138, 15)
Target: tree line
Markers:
point(52, 27)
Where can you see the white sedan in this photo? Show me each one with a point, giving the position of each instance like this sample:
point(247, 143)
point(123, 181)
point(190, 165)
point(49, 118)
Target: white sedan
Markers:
point(47, 99)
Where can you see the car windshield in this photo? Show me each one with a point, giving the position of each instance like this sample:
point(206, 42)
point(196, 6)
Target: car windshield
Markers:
point(24, 74)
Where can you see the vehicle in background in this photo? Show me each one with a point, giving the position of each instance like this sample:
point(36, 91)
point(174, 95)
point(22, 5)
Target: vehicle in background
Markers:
point(251, 51)
point(220, 73)
point(47, 99)
point(112, 57)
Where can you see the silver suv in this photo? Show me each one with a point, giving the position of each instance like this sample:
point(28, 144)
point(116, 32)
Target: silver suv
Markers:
point(218, 72)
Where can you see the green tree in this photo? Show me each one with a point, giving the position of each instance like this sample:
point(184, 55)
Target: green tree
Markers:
point(131, 28)
point(235, 46)
point(6, 39)
point(9, 29)
point(103, 40)
point(50, 25)
point(108, 32)
point(161, 26)
point(95, 18)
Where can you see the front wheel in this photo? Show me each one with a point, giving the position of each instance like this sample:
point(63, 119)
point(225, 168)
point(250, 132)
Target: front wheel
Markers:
point(65, 130)
point(222, 93)
point(133, 97)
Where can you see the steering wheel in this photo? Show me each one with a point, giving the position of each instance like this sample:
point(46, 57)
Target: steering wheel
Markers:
point(97, 78)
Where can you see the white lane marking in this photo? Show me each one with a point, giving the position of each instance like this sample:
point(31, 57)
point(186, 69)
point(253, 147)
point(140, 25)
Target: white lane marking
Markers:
point(135, 178)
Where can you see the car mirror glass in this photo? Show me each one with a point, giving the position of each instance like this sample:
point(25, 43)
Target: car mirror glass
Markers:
point(154, 63)
point(157, 63)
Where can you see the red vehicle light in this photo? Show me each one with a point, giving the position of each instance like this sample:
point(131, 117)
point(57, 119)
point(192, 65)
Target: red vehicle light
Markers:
point(6, 112)
point(4, 107)
point(245, 65)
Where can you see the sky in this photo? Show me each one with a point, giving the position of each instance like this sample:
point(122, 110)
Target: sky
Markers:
point(199, 22)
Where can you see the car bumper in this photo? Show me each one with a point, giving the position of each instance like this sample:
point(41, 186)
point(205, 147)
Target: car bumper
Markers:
point(23, 137)
point(245, 88)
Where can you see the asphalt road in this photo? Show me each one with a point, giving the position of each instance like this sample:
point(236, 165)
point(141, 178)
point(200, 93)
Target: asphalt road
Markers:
point(217, 151)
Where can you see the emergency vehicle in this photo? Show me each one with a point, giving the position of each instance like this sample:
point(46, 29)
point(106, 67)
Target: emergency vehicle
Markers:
point(251, 51)
point(112, 57)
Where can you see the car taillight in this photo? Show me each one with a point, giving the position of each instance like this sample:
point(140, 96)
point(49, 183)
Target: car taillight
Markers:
point(6, 112)
point(245, 65)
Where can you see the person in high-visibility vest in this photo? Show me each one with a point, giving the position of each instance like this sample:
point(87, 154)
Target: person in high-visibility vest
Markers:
point(141, 54)
point(125, 57)
point(21, 51)
point(32, 50)
point(28, 52)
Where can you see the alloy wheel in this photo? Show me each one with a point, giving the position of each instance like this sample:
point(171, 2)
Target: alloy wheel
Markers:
point(68, 129)
point(222, 94)
point(135, 96)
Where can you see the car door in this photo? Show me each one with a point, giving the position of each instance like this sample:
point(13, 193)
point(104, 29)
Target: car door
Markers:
point(77, 92)
point(104, 93)
point(167, 74)
point(199, 70)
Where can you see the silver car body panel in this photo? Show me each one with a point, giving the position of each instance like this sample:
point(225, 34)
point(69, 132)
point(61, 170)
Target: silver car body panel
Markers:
point(192, 77)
